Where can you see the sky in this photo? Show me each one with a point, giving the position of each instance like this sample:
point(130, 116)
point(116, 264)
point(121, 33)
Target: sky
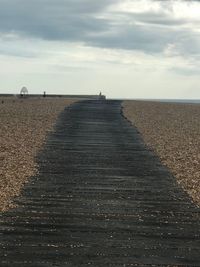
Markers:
point(123, 48)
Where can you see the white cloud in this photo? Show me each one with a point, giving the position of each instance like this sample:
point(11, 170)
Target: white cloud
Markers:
point(134, 6)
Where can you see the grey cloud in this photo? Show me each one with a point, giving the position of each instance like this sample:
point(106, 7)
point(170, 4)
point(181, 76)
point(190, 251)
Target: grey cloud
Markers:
point(18, 53)
point(184, 71)
point(157, 18)
point(11, 47)
point(79, 21)
point(136, 37)
point(187, 43)
point(52, 19)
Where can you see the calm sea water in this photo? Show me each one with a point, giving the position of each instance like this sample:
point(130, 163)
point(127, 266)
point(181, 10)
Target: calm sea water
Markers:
point(189, 101)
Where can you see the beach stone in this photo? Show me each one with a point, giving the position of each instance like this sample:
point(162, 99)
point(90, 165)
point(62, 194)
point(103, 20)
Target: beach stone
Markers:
point(25, 124)
point(172, 130)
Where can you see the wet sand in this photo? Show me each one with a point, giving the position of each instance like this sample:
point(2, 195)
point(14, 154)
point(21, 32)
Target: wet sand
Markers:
point(173, 131)
point(25, 124)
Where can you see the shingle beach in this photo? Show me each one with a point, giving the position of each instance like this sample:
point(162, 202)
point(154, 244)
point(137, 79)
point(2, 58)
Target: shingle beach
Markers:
point(172, 130)
point(25, 124)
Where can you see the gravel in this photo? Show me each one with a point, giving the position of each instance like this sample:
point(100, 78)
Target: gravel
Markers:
point(25, 124)
point(173, 131)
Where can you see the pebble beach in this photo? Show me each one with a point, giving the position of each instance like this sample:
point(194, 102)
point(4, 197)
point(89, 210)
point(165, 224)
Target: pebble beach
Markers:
point(25, 124)
point(172, 130)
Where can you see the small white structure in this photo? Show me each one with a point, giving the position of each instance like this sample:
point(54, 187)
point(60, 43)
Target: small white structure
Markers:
point(24, 91)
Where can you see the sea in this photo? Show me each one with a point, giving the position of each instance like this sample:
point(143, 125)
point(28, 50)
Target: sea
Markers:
point(185, 101)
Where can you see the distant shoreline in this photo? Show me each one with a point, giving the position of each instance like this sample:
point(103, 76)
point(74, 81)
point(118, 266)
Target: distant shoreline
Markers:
point(184, 101)
point(52, 96)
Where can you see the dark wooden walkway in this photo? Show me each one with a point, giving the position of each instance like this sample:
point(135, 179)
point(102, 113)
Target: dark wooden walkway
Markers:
point(101, 199)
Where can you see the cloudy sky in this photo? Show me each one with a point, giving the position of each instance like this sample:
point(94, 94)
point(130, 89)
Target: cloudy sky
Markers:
point(125, 48)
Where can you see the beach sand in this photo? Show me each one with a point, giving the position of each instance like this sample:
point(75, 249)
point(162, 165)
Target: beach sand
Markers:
point(25, 124)
point(172, 130)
